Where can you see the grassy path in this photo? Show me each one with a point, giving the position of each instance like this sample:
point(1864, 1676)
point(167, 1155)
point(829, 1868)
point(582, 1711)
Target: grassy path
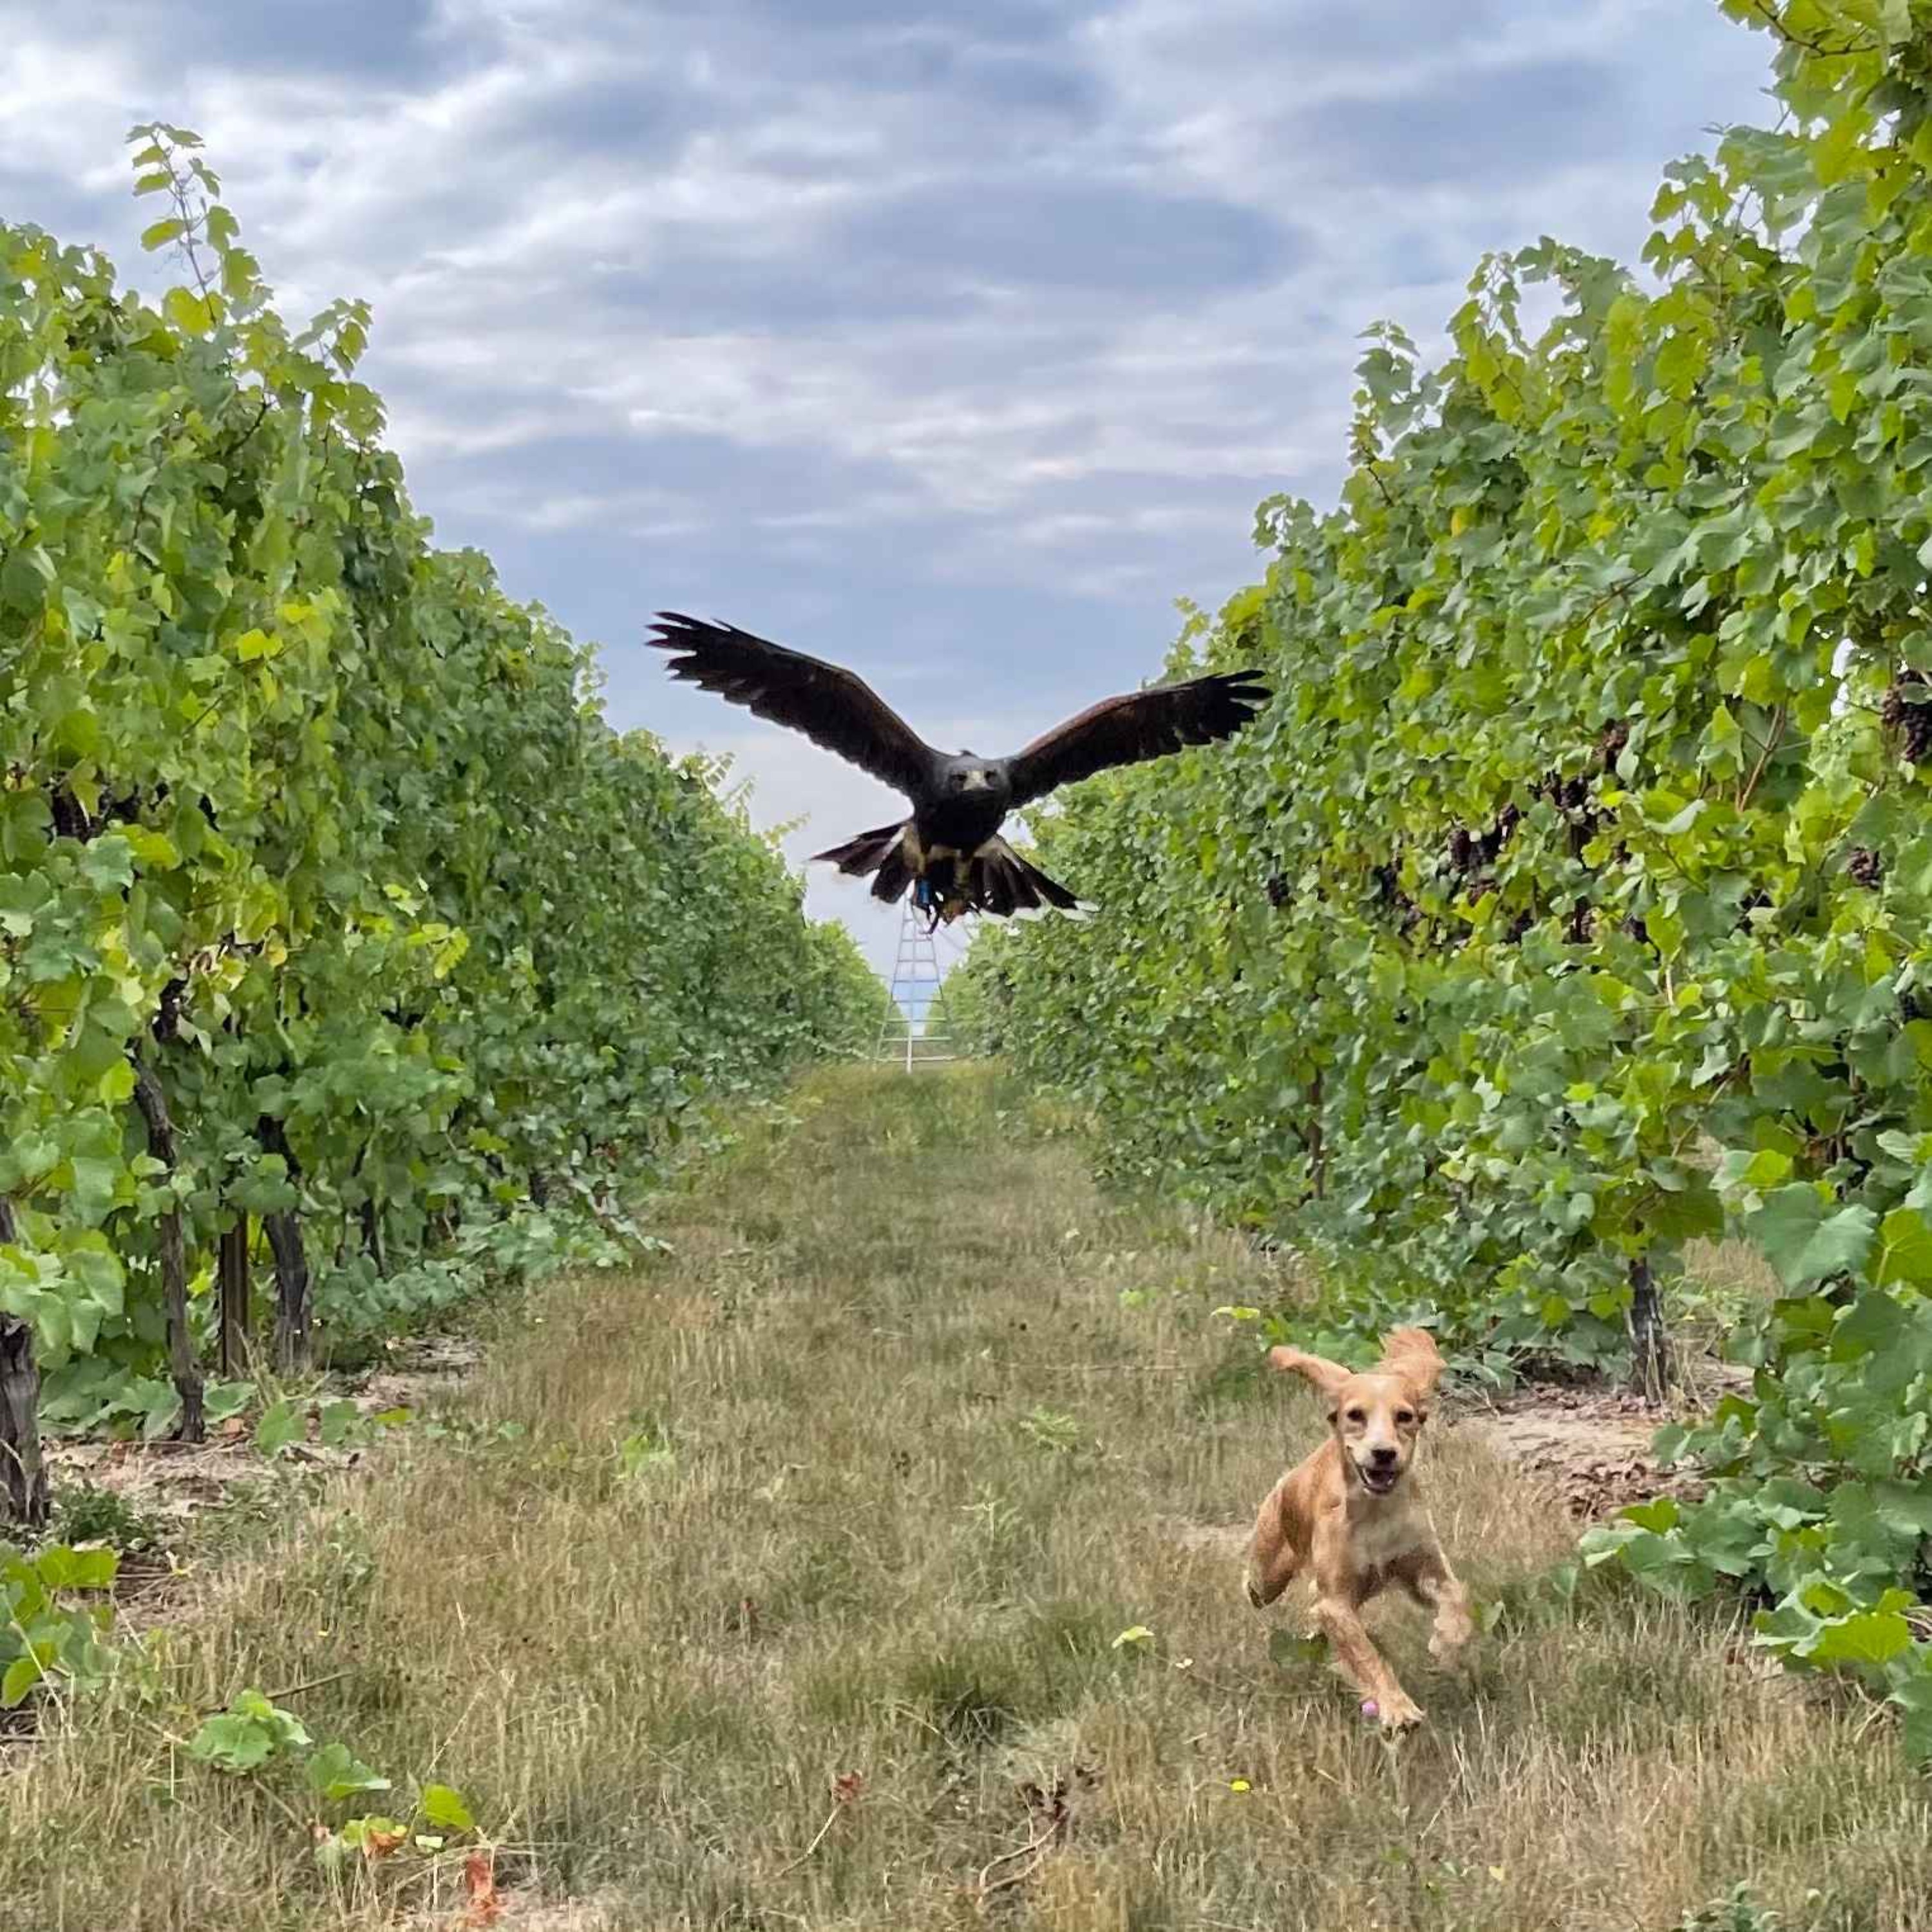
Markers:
point(866, 1477)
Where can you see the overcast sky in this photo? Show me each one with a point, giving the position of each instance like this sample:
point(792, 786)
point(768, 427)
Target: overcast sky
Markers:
point(952, 341)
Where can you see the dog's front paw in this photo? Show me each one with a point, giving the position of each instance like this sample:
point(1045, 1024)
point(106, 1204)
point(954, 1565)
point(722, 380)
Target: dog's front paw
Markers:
point(1396, 1712)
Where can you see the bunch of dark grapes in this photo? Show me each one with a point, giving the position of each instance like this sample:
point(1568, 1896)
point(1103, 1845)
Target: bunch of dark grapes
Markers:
point(1468, 851)
point(1865, 867)
point(166, 1025)
point(1277, 890)
point(1911, 722)
point(1390, 896)
point(1571, 797)
point(70, 816)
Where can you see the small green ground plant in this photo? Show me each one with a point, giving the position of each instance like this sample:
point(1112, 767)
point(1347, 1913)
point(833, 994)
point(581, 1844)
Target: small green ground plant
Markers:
point(47, 1639)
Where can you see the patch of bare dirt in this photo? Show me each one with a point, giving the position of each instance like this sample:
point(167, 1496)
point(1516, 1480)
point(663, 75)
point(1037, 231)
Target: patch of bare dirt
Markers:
point(1591, 1446)
point(569, 1915)
point(517, 1909)
point(418, 1372)
point(171, 1485)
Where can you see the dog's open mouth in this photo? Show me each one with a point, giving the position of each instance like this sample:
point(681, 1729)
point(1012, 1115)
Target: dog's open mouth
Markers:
point(1379, 1482)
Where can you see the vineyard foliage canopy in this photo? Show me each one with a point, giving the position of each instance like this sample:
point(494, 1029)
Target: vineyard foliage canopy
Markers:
point(1573, 901)
point(334, 919)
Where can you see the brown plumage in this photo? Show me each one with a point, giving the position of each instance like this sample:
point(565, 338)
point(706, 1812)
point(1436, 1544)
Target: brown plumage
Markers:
point(949, 850)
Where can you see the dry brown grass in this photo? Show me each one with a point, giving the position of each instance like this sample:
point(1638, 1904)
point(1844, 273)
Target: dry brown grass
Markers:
point(924, 1468)
point(1724, 1281)
point(1734, 1268)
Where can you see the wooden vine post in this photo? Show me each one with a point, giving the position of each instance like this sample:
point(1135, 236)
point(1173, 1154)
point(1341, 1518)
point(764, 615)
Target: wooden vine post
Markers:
point(25, 1497)
point(1651, 1366)
point(182, 1366)
point(232, 1273)
point(283, 1229)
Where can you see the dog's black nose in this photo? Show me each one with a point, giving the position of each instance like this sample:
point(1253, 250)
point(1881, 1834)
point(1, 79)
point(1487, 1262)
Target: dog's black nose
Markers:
point(1382, 1455)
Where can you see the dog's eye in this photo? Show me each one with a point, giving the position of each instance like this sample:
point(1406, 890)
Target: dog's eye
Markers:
point(1357, 1415)
point(1405, 1415)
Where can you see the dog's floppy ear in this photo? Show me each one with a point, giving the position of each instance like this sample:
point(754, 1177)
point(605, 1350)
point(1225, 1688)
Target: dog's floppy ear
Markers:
point(1411, 1353)
point(1328, 1376)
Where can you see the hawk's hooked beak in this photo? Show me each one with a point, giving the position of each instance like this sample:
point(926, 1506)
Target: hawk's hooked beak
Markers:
point(978, 781)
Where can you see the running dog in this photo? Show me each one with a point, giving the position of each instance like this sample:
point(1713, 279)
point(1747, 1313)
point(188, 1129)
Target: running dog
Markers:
point(1352, 1514)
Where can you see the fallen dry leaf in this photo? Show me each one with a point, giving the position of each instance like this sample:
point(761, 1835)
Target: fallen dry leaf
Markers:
point(479, 1880)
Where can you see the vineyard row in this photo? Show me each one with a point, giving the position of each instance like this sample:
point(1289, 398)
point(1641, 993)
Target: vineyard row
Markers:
point(1572, 905)
point(338, 930)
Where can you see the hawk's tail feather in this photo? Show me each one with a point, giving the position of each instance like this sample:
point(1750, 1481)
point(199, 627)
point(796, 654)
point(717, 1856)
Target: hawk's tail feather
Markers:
point(1010, 885)
point(998, 881)
point(865, 854)
point(881, 851)
point(895, 875)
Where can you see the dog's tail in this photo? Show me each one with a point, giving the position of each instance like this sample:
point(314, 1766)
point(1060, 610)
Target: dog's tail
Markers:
point(881, 851)
point(1007, 883)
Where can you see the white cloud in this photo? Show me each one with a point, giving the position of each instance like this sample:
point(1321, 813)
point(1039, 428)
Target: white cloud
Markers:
point(954, 339)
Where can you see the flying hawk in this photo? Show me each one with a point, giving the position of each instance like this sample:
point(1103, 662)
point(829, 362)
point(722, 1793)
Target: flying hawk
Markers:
point(949, 850)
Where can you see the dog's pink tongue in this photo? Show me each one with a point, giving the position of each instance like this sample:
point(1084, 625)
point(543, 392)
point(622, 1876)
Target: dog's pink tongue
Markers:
point(1370, 1708)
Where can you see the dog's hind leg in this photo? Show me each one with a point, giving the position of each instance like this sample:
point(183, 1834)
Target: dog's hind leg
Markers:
point(1273, 1559)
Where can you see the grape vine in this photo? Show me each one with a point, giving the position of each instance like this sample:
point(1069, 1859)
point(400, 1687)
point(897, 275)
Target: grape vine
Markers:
point(336, 927)
point(1574, 900)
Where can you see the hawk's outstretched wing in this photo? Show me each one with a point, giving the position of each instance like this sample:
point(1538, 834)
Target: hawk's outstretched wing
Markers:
point(833, 707)
point(1141, 724)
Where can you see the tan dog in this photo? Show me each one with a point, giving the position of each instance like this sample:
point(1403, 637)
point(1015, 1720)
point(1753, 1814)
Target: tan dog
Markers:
point(1352, 1512)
